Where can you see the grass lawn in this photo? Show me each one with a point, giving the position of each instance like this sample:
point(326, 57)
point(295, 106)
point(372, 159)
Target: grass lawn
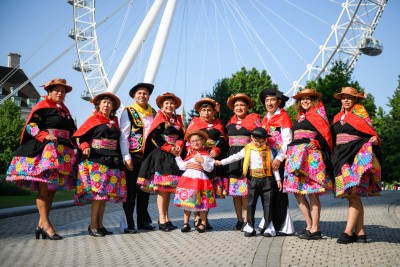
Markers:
point(17, 201)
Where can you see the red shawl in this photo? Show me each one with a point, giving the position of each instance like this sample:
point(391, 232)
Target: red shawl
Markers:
point(358, 118)
point(95, 119)
point(278, 120)
point(250, 122)
point(47, 102)
point(317, 117)
point(198, 124)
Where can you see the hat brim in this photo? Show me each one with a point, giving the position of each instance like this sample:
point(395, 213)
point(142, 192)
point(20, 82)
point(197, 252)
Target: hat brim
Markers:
point(300, 95)
point(232, 100)
point(197, 132)
point(338, 96)
point(110, 95)
point(148, 86)
point(202, 102)
point(67, 87)
point(161, 99)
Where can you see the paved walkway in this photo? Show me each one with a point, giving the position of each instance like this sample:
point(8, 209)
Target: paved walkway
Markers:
point(221, 247)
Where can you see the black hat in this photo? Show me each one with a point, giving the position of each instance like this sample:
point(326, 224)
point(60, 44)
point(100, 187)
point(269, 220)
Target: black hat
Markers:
point(273, 92)
point(260, 132)
point(148, 86)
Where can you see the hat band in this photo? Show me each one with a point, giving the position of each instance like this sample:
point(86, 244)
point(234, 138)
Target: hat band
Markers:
point(239, 140)
point(299, 134)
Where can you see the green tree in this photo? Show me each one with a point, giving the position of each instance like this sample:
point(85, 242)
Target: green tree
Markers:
point(388, 128)
point(10, 132)
point(250, 82)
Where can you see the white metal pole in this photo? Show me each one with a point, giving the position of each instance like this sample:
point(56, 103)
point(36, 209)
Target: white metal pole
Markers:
point(160, 41)
point(134, 47)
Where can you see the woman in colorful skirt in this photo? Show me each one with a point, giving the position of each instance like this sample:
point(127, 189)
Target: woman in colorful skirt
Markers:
point(238, 129)
point(45, 160)
point(165, 141)
point(215, 145)
point(356, 161)
point(279, 125)
point(195, 191)
point(100, 175)
point(308, 164)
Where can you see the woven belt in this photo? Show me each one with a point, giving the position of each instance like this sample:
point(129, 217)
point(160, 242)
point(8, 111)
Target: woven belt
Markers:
point(170, 139)
point(258, 173)
point(343, 138)
point(239, 140)
point(194, 166)
point(299, 134)
point(64, 134)
point(105, 143)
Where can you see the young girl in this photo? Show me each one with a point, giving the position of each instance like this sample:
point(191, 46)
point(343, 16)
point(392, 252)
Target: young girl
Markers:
point(195, 191)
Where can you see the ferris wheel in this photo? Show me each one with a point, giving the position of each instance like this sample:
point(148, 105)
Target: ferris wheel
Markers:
point(348, 37)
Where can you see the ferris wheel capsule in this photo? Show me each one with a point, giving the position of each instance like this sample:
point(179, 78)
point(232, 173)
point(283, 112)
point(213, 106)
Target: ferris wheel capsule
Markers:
point(370, 46)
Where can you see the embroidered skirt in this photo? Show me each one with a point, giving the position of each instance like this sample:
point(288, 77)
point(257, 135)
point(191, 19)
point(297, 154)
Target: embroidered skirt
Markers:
point(55, 166)
point(362, 177)
point(305, 171)
point(99, 182)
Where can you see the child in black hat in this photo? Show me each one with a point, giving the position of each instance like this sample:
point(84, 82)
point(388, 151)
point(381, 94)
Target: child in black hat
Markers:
point(257, 168)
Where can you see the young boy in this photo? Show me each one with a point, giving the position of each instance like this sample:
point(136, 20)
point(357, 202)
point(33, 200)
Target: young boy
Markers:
point(257, 162)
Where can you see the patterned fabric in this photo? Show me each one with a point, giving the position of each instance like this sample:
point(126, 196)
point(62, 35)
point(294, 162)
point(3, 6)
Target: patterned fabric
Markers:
point(195, 194)
point(105, 143)
point(99, 182)
point(305, 171)
point(363, 177)
point(162, 183)
point(32, 129)
point(344, 138)
point(238, 187)
point(54, 166)
point(221, 187)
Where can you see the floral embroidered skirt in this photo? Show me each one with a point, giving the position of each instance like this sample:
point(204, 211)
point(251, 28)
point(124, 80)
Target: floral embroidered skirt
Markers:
point(363, 177)
point(238, 187)
point(195, 194)
point(159, 182)
point(55, 166)
point(99, 182)
point(305, 171)
point(221, 186)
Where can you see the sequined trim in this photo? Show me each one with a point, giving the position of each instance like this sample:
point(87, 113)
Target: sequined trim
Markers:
point(64, 134)
point(105, 143)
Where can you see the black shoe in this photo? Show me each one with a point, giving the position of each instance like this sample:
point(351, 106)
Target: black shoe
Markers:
point(171, 226)
point(360, 238)
point(164, 227)
point(345, 239)
point(201, 228)
point(130, 230)
point(300, 233)
point(196, 224)
point(208, 227)
point(314, 236)
point(95, 232)
point(304, 235)
point(267, 234)
point(38, 231)
point(239, 226)
point(105, 231)
point(51, 237)
point(186, 228)
point(247, 234)
point(146, 226)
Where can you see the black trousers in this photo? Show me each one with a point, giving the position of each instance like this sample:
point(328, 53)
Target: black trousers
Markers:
point(259, 187)
point(135, 195)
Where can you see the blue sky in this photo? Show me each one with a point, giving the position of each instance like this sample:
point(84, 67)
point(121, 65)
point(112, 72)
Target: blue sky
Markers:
point(195, 56)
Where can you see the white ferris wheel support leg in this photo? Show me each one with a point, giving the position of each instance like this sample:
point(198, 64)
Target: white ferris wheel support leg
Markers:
point(134, 47)
point(160, 41)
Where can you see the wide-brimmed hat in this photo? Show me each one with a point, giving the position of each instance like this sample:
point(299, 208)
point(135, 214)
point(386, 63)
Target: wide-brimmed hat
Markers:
point(161, 98)
point(148, 86)
point(260, 132)
point(198, 132)
point(206, 100)
point(349, 91)
point(97, 98)
point(307, 92)
point(233, 98)
point(273, 92)
point(57, 81)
